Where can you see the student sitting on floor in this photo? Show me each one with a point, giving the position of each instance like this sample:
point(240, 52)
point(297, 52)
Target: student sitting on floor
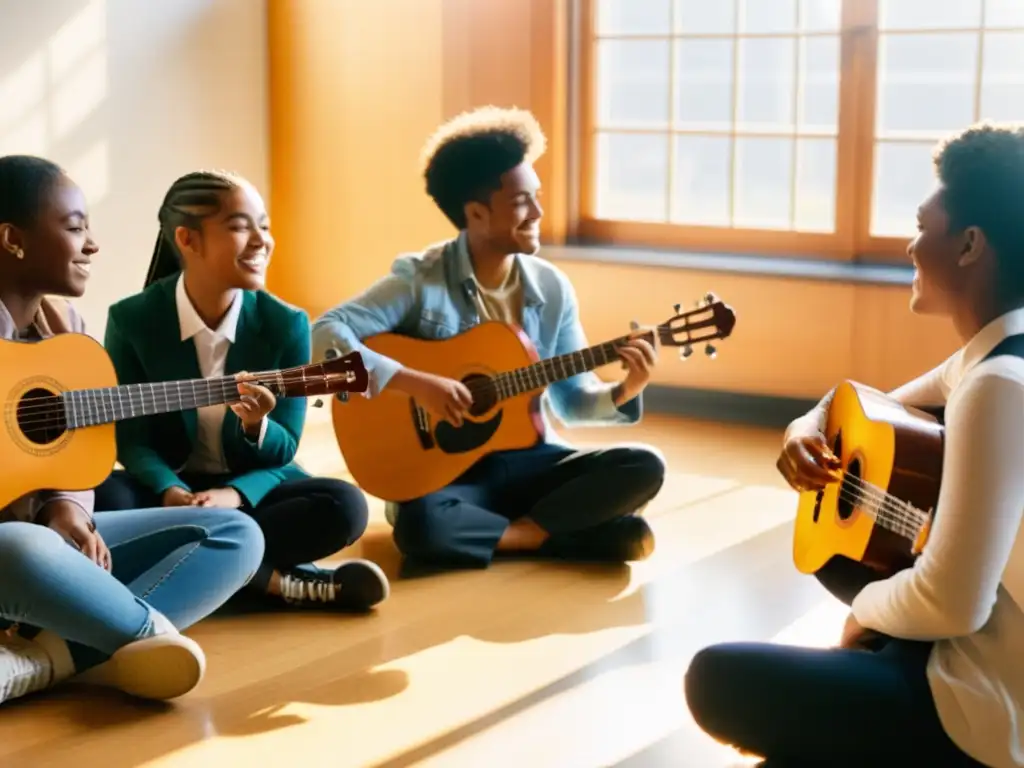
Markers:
point(947, 686)
point(204, 313)
point(551, 500)
point(101, 599)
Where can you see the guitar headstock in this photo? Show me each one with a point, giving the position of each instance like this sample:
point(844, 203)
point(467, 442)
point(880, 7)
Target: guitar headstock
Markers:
point(709, 320)
point(336, 375)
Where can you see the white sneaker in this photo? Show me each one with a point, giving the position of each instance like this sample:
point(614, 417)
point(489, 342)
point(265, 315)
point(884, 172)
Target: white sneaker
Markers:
point(25, 667)
point(164, 666)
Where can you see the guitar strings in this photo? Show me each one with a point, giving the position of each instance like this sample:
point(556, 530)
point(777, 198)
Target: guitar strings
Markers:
point(890, 508)
point(52, 411)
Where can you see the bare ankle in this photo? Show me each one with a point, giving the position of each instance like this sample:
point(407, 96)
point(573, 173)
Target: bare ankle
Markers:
point(522, 535)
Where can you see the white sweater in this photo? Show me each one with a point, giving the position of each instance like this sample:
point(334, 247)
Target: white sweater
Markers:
point(966, 591)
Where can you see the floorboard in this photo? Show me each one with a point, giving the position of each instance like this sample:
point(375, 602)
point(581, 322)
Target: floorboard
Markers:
point(525, 663)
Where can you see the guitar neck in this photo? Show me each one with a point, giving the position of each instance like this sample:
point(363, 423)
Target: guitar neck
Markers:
point(535, 377)
point(91, 407)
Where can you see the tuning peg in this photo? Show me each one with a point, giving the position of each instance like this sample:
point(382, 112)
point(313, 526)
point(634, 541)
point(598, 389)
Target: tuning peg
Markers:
point(685, 352)
point(318, 403)
point(709, 298)
point(710, 351)
point(342, 396)
point(677, 307)
point(634, 325)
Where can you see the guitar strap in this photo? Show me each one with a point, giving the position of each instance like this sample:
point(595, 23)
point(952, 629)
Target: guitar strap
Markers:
point(1013, 576)
point(1011, 345)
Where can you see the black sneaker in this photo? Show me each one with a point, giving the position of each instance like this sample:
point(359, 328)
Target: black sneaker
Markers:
point(355, 585)
point(621, 540)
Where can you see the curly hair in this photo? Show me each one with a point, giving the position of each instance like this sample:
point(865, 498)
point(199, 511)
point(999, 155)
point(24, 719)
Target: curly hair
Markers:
point(981, 170)
point(465, 158)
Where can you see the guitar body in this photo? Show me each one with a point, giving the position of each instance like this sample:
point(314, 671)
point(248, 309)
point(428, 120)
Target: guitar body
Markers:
point(893, 448)
point(396, 451)
point(37, 450)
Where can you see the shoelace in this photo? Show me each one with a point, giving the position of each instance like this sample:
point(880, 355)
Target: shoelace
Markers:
point(296, 589)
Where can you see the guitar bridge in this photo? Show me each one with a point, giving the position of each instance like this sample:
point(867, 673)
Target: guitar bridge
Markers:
point(421, 419)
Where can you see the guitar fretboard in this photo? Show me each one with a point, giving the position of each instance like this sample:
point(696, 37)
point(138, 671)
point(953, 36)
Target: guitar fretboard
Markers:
point(91, 407)
point(545, 372)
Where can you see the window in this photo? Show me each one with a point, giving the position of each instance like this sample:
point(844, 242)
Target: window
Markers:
point(782, 126)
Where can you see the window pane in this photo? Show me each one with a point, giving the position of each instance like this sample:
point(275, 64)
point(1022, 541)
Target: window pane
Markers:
point(1002, 77)
point(632, 176)
point(819, 80)
point(766, 15)
point(633, 82)
point(815, 185)
point(700, 186)
point(929, 14)
point(763, 182)
point(766, 83)
point(703, 17)
point(904, 177)
point(926, 82)
point(1004, 13)
point(704, 83)
point(633, 17)
point(820, 15)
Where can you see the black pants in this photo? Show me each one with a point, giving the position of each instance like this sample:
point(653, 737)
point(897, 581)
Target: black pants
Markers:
point(823, 707)
point(560, 489)
point(302, 520)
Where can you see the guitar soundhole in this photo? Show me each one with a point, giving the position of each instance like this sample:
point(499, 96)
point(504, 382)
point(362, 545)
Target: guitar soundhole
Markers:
point(485, 394)
point(847, 491)
point(41, 416)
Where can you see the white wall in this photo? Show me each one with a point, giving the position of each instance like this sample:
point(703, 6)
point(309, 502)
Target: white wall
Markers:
point(127, 95)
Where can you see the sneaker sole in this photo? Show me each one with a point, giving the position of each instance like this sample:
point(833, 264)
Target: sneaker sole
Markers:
point(162, 667)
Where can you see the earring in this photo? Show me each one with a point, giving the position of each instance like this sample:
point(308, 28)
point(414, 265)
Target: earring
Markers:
point(19, 254)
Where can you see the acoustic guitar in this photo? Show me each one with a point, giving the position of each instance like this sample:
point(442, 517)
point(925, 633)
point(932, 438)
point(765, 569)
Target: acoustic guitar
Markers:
point(396, 451)
point(880, 511)
point(61, 401)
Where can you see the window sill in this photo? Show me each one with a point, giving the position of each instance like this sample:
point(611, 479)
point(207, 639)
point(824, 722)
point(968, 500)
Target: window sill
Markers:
point(793, 268)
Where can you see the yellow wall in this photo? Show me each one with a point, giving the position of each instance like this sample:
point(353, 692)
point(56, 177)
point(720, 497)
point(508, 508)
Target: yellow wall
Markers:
point(356, 88)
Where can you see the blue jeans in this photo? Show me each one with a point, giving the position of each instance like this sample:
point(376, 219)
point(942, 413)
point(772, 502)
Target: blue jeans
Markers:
point(184, 562)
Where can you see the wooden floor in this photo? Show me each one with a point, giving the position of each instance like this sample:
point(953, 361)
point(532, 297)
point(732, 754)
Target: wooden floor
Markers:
point(524, 664)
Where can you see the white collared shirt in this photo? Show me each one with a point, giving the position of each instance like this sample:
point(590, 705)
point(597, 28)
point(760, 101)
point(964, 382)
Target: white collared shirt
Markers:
point(966, 591)
point(212, 347)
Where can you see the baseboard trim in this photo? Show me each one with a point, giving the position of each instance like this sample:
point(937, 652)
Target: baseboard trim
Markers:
point(717, 405)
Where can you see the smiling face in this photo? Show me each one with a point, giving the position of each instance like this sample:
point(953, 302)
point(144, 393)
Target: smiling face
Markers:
point(57, 247)
point(510, 221)
point(950, 265)
point(233, 247)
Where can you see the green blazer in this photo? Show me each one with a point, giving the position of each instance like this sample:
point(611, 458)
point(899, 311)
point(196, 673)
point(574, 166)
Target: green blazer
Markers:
point(143, 339)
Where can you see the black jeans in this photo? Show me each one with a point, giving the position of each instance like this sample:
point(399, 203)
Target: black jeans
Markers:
point(561, 489)
point(302, 520)
point(823, 707)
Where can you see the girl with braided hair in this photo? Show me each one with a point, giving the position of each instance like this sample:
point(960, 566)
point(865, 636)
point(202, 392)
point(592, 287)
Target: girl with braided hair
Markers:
point(204, 312)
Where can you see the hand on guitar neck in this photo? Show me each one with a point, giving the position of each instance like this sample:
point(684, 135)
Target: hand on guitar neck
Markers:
point(638, 360)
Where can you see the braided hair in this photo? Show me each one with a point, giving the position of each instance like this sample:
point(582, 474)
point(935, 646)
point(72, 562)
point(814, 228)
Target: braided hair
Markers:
point(192, 198)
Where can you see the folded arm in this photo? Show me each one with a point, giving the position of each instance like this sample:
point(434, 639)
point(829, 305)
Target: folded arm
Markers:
point(951, 589)
point(379, 309)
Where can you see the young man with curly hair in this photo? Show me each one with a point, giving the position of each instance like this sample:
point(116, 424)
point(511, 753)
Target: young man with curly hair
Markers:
point(551, 500)
point(946, 685)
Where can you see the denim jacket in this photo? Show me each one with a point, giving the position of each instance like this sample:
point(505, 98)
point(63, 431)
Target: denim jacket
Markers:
point(429, 295)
